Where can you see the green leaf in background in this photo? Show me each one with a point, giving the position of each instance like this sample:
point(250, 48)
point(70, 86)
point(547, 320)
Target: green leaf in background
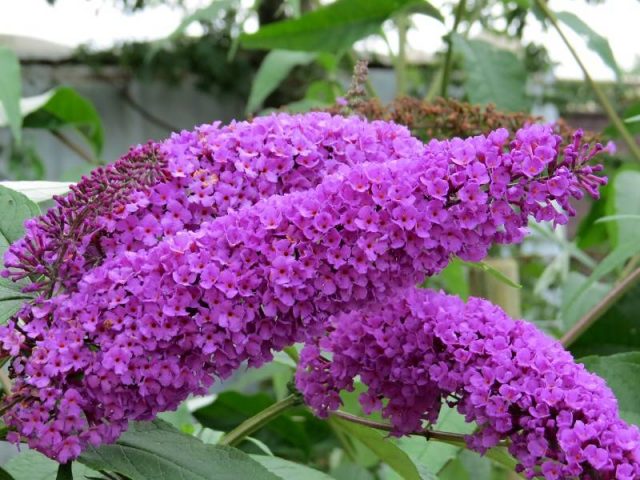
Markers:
point(15, 208)
point(64, 107)
point(614, 260)
point(231, 408)
point(595, 41)
point(624, 200)
point(155, 450)
point(287, 470)
point(32, 465)
point(275, 67)
point(424, 8)
point(386, 450)
point(622, 373)
point(493, 75)
point(331, 28)
point(11, 299)
point(4, 475)
point(10, 91)
point(485, 267)
point(618, 330)
point(38, 191)
point(573, 286)
point(435, 455)
point(204, 14)
point(633, 119)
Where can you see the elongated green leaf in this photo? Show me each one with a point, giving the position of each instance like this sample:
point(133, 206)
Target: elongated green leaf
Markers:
point(622, 373)
point(485, 267)
point(157, 451)
point(38, 191)
point(386, 450)
point(595, 41)
point(617, 218)
point(62, 107)
point(10, 91)
point(287, 470)
point(275, 67)
point(31, 465)
point(617, 331)
point(493, 75)
point(614, 260)
point(633, 119)
point(331, 28)
point(624, 201)
point(203, 14)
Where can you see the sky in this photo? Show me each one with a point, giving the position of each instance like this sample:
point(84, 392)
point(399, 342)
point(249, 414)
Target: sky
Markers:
point(100, 24)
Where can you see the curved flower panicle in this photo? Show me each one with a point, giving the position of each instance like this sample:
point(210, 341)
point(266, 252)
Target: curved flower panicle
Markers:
point(425, 348)
point(256, 234)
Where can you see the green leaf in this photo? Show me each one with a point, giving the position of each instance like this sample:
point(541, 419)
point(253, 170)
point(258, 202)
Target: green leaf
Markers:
point(595, 41)
point(155, 451)
point(4, 475)
point(62, 107)
point(275, 67)
point(424, 8)
point(625, 200)
point(385, 449)
point(493, 75)
point(589, 298)
point(617, 258)
point(436, 455)
point(203, 14)
point(622, 373)
point(11, 299)
point(15, 208)
point(10, 91)
point(230, 409)
point(633, 119)
point(287, 470)
point(331, 28)
point(38, 191)
point(485, 267)
point(616, 218)
point(32, 465)
point(617, 331)
point(454, 279)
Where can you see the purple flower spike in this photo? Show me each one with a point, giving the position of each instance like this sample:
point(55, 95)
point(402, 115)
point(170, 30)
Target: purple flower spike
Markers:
point(218, 246)
point(425, 348)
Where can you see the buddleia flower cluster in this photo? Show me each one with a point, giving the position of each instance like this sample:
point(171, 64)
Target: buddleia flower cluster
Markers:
point(190, 257)
point(424, 349)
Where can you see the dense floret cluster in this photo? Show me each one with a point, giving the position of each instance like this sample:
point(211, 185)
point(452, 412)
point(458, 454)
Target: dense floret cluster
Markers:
point(425, 348)
point(242, 239)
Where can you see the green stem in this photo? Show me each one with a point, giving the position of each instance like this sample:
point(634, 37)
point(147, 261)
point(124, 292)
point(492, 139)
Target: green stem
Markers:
point(448, 59)
point(402, 22)
point(602, 98)
point(258, 421)
point(65, 472)
point(600, 309)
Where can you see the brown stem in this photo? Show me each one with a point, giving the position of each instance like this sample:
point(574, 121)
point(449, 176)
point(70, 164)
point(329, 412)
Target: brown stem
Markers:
point(600, 309)
point(446, 437)
point(71, 145)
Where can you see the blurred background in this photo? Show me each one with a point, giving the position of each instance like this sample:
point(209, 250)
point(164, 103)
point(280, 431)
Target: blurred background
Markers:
point(147, 67)
point(81, 81)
